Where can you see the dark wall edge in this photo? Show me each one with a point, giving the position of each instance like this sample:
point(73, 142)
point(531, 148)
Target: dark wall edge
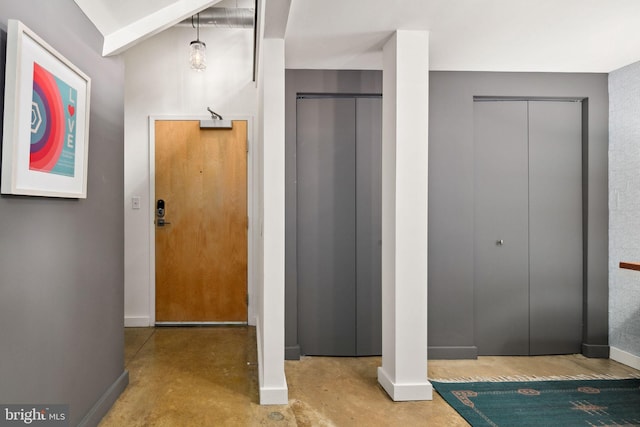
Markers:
point(595, 351)
point(292, 352)
point(452, 353)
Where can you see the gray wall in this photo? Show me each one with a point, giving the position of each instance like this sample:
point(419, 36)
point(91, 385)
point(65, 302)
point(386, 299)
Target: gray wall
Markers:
point(61, 260)
point(451, 288)
point(624, 205)
point(451, 296)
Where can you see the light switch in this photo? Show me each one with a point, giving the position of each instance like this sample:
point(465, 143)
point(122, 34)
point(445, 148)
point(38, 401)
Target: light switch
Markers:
point(135, 202)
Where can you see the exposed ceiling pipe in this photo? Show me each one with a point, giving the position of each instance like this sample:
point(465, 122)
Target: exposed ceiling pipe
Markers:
point(224, 17)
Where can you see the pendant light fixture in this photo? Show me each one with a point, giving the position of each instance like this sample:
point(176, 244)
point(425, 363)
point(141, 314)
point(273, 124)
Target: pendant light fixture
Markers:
point(197, 49)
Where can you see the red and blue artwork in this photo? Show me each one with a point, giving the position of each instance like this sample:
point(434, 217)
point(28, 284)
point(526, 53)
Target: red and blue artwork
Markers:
point(53, 124)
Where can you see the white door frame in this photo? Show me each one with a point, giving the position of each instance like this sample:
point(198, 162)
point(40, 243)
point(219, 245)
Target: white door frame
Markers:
point(252, 174)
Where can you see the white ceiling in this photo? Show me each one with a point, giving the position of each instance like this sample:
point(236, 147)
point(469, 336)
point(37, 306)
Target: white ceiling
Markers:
point(480, 35)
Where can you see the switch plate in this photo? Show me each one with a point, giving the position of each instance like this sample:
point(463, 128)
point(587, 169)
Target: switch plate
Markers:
point(135, 202)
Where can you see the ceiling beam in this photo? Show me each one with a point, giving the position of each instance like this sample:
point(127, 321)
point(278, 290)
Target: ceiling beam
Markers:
point(132, 34)
point(276, 17)
point(272, 17)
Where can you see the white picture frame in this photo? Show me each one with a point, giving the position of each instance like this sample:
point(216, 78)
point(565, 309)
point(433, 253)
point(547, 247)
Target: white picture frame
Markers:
point(45, 142)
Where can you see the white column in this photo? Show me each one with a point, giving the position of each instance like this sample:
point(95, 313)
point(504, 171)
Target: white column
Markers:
point(405, 115)
point(273, 385)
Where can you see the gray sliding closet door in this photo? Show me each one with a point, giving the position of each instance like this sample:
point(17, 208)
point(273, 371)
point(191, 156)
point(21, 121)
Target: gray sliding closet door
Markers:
point(326, 230)
point(501, 229)
point(555, 226)
point(339, 205)
point(528, 227)
point(369, 226)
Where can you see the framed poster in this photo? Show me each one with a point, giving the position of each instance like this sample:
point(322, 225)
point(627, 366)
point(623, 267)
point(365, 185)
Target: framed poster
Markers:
point(46, 120)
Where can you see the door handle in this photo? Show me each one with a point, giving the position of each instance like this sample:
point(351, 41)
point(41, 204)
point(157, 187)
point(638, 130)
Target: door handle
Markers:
point(161, 222)
point(500, 242)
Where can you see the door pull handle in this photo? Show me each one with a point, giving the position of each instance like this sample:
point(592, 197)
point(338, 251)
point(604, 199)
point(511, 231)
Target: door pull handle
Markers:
point(500, 242)
point(161, 222)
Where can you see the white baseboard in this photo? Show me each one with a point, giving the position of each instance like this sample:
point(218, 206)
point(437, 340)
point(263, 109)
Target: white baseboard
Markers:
point(624, 357)
point(137, 322)
point(405, 392)
point(259, 349)
point(268, 395)
point(274, 396)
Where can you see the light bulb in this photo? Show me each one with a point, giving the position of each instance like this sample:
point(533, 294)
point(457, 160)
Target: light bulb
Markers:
point(197, 55)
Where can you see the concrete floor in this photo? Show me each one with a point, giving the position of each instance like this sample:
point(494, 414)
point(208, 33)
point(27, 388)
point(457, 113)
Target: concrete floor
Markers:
point(209, 377)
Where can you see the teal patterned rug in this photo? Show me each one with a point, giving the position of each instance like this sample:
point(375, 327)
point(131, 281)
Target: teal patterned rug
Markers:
point(545, 403)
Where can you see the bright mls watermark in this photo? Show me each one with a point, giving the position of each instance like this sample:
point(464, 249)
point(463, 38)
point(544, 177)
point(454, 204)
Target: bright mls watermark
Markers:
point(34, 415)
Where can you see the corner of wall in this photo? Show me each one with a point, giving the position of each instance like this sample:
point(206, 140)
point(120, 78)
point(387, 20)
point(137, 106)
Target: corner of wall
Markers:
point(624, 207)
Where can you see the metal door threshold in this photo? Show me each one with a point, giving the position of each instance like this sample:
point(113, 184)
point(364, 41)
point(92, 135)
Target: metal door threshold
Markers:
point(201, 323)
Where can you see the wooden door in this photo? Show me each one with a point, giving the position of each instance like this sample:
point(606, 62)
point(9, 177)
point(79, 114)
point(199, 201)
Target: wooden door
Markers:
point(201, 251)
